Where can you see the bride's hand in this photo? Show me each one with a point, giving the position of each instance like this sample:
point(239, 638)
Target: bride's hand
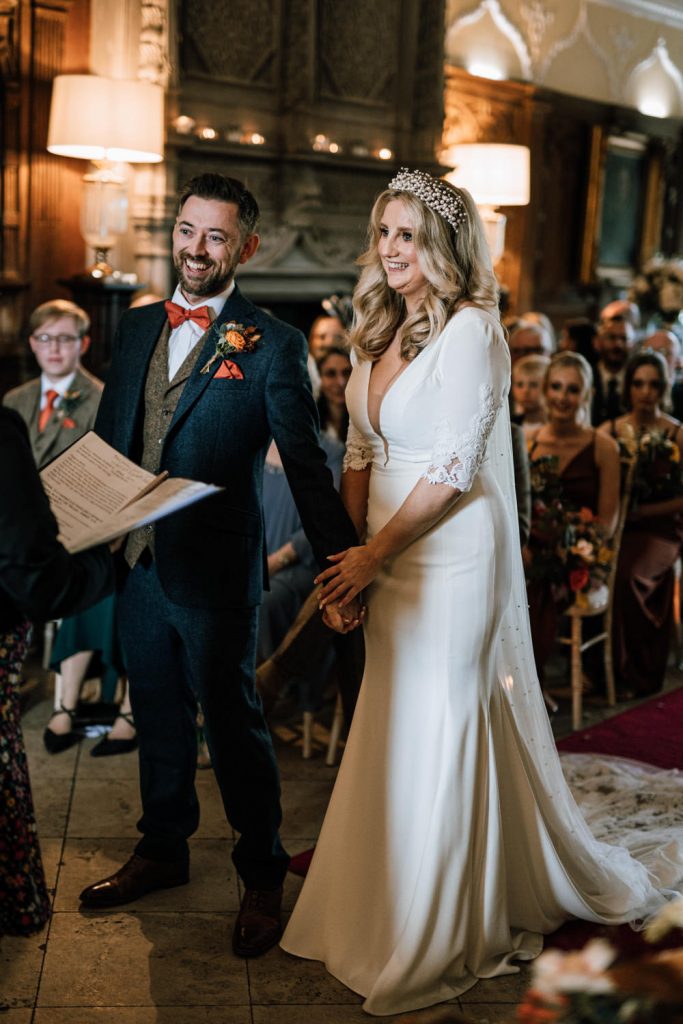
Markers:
point(343, 621)
point(353, 570)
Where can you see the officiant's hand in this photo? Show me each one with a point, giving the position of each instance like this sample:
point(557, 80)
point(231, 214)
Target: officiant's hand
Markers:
point(346, 619)
point(353, 570)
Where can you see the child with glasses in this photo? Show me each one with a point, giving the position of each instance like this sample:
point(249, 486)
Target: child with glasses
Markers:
point(58, 408)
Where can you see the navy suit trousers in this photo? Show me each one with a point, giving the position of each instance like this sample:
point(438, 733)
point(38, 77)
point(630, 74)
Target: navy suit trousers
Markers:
point(176, 655)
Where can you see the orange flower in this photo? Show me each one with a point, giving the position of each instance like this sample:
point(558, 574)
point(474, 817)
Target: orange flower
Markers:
point(236, 340)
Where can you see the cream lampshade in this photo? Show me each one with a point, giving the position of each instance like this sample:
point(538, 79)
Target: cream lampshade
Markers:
point(111, 122)
point(495, 175)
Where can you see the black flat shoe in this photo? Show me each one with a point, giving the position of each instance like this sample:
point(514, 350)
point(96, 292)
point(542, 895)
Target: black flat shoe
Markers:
point(107, 747)
point(56, 742)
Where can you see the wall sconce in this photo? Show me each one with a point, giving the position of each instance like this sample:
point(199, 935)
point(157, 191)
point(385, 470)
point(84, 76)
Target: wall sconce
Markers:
point(111, 122)
point(495, 175)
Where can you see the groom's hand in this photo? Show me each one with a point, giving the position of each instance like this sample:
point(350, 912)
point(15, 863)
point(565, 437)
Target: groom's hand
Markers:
point(343, 620)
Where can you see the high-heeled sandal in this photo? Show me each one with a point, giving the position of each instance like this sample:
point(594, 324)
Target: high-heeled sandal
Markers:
point(107, 747)
point(56, 742)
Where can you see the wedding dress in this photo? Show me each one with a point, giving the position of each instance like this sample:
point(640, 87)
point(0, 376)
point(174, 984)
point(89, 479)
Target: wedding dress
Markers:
point(452, 842)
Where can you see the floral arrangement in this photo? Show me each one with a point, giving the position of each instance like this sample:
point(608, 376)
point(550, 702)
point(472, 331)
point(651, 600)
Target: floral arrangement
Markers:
point(69, 401)
point(588, 987)
point(657, 473)
point(569, 550)
point(658, 288)
point(233, 337)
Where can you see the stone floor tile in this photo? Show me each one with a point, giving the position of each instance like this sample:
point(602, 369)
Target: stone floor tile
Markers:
point(51, 796)
point(303, 806)
point(56, 766)
point(212, 820)
point(141, 1015)
point(118, 766)
point(20, 963)
point(278, 977)
point(343, 1013)
point(509, 988)
point(288, 742)
point(104, 809)
point(489, 1013)
point(51, 852)
point(213, 879)
point(142, 959)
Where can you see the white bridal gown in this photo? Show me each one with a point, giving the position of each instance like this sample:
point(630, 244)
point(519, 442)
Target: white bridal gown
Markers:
point(452, 843)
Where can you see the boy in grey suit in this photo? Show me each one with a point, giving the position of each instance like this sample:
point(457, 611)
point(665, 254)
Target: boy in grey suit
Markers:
point(59, 406)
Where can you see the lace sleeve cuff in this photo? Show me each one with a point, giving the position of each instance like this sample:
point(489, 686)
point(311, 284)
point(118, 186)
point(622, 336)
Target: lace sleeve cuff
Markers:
point(358, 454)
point(456, 457)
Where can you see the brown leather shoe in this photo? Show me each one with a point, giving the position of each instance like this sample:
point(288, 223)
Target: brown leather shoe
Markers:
point(258, 927)
point(136, 878)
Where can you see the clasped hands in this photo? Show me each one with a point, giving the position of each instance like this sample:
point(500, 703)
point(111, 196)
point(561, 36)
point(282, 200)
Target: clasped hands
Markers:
point(342, 583)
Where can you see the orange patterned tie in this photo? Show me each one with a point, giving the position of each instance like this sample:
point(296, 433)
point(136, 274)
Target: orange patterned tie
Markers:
point(47, 410)
point(177, 315)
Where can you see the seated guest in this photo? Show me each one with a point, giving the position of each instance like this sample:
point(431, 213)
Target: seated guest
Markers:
point(527, 391)
point(578, 335)
point(529, 339)
point(291, 565)
point(534, 317)
point(292, 569)
point(326, 332)
point(570, 461)
point(38, 580)
point(651, 541)
point(620, 311)
point(334, 367)
point(613, 344)
point(59, 407)
point(668, 346)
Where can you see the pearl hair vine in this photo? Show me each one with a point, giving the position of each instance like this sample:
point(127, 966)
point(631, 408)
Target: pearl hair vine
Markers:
point(435, 194)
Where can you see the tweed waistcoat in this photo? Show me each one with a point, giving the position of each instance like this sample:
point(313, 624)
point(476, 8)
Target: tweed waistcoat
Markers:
point(161, 400)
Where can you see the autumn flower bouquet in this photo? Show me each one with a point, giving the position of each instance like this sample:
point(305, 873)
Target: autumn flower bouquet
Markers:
point(657, 473)
point(658, 289)
point(568, 549)
point(592, 987)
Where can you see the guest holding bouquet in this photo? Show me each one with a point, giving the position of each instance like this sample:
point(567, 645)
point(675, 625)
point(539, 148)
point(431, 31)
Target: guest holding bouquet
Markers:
point(650, 546)
point(575, 499)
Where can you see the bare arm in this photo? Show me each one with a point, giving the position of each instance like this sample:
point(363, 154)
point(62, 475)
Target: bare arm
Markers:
point(474, 369)
point(609, 466)
point(355, 485)
point(356, 567)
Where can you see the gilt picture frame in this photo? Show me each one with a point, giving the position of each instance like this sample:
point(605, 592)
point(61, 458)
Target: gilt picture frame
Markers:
point(623, 207)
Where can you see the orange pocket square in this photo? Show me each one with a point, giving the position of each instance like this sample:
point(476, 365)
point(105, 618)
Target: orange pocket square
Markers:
point(228, 371)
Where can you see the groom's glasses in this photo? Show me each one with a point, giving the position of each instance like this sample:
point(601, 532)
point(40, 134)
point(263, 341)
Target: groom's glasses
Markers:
point(60, 340)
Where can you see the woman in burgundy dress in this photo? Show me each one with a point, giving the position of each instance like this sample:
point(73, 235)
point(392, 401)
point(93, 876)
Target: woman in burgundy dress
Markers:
point(582, 468)
point(651, 542)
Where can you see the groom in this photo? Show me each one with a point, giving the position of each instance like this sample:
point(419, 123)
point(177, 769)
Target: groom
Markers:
point(197, 387)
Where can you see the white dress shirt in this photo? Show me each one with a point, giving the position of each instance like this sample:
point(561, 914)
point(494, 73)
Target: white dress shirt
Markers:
point(183, 339)
point(61, 386)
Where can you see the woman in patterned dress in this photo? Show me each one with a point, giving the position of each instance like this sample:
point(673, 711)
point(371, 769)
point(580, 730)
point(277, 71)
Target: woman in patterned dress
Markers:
point(38, 580)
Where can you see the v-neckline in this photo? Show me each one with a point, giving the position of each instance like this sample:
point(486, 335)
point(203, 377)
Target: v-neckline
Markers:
point(393, 381)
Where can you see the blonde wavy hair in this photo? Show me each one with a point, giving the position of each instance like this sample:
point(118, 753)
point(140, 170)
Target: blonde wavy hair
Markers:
point(457, 266)
point(574, 361)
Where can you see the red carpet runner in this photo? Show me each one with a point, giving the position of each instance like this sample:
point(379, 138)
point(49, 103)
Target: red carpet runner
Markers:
point(652, 732)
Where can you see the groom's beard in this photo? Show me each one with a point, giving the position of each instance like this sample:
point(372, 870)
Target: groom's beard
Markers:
point(216, 280)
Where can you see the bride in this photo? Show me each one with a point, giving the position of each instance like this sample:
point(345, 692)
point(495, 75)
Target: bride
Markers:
point(451, 843)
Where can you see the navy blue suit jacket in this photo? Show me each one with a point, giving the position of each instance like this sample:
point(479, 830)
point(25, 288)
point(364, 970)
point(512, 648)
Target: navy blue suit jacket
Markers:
point(212, 554)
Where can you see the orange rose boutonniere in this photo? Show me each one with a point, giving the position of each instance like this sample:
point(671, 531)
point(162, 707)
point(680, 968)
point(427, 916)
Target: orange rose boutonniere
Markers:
point(232, 337)
point(67, 406)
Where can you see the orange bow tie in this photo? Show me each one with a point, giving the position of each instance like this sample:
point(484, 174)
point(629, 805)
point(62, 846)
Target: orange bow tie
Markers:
point(177, 315)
